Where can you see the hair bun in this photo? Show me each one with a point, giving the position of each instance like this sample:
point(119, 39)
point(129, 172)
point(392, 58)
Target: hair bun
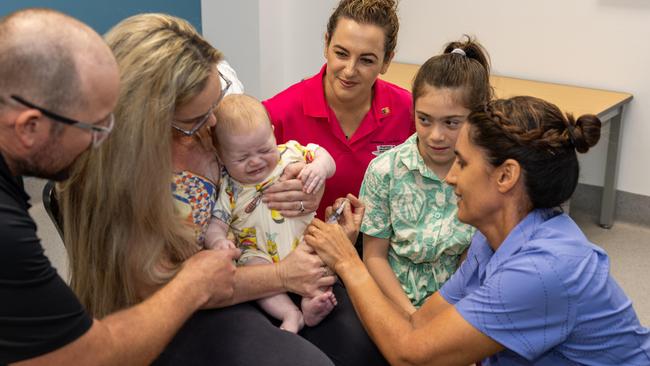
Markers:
point(391, 3)
point(472, 49)
point(586, 132)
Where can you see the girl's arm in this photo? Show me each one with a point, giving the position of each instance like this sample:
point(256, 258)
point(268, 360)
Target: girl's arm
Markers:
point(375, 256)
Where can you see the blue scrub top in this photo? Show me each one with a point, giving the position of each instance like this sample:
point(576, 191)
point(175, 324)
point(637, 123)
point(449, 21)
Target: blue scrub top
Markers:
point(546, 295)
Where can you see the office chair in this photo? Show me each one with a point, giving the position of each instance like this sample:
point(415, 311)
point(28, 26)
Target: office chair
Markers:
point(52, 206)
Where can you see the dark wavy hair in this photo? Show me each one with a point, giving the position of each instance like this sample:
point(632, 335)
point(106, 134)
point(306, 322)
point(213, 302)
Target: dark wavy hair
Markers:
point(382, 13)
point(468, 71)
point(541, 138)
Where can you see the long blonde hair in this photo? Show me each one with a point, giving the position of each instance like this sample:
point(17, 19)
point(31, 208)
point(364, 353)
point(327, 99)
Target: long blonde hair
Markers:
point(120, 224)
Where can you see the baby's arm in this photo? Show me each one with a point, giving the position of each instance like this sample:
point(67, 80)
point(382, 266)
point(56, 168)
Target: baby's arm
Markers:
point(215, 236)
point(313, 175)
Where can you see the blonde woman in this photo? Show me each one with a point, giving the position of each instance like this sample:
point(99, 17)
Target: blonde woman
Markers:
point(122, 204)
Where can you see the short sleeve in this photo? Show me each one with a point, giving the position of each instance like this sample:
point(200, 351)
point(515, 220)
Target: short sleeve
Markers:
point(454, 289)
point(225, 203)
point(306, 153)
point(523, 305)
point(39, 313)
point(374, 193)
point(311, 149)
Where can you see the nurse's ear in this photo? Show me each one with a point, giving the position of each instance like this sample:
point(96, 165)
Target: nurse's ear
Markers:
point(508, 175)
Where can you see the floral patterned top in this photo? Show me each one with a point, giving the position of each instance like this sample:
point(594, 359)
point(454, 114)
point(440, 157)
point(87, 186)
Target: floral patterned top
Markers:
point(194, 197)
point(409, 205)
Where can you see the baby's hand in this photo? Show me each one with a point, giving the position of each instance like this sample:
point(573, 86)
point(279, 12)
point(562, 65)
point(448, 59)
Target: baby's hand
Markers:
point(312, 176)
point(223, 244)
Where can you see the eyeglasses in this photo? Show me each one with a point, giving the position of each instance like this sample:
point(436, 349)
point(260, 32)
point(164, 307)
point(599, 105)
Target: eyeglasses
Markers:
point(204, 118)
point(99, 130)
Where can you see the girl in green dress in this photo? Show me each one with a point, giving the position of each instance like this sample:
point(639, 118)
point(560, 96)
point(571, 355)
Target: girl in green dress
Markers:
point(412, 240)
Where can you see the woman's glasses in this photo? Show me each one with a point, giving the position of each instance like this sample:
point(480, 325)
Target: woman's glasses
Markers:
point(201, 121)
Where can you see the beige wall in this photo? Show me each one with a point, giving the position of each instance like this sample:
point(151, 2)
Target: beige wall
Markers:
point(593, 43)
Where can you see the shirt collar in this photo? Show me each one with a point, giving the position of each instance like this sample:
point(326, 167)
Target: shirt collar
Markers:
point(382, 104)
point(411, 158)
point(12, 183)
point(315, 105)
point(518, 237)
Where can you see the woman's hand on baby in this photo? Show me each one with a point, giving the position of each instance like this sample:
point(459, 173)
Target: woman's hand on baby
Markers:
point(331, 243)
point(286, 195)
point(312, 176)
point(302, 272)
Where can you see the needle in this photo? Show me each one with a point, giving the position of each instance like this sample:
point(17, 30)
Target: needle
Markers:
point(339, 211)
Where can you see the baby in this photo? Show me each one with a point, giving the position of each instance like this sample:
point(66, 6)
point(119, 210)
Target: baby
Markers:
point(247, 149)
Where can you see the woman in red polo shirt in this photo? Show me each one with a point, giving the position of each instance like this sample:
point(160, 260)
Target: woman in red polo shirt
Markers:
point(345, 108)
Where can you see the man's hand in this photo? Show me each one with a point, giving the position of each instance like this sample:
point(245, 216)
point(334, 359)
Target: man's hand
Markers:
point(213, 274)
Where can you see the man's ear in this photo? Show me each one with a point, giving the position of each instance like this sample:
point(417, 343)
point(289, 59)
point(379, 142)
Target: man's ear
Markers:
point(28, 127)
point(508, 174)
point(384, 67)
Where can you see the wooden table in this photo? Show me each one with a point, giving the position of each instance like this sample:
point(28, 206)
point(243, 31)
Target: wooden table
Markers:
point(607, 105)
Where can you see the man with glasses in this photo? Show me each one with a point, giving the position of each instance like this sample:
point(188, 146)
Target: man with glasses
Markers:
point(58, 87)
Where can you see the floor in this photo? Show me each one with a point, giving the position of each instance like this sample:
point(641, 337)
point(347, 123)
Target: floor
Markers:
point(628, 246)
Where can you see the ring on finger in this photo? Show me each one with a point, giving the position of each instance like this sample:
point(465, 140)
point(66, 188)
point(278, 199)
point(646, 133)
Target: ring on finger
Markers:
point(327, 271)
point(302, 207)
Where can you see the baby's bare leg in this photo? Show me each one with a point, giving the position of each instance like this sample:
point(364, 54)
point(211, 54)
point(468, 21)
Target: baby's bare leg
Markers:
point(280, 306)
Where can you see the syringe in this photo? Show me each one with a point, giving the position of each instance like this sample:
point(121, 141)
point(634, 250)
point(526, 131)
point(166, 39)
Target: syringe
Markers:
point(339, 211)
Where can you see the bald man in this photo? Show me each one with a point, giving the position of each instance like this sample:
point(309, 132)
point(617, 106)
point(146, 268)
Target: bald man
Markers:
point(58, 86)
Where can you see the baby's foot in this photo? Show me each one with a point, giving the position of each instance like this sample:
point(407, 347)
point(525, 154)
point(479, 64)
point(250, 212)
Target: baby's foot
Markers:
point(293, 321)
point(314, 310)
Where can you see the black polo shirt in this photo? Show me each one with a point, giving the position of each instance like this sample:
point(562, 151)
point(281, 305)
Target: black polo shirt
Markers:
point(38, 311)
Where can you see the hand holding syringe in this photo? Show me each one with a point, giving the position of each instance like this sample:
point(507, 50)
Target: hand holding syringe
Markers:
point(334, 218)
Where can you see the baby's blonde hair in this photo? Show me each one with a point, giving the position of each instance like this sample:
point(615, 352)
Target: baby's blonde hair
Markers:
point(237, 114)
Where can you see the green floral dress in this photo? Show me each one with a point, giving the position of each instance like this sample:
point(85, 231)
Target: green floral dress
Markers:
point(409, 205)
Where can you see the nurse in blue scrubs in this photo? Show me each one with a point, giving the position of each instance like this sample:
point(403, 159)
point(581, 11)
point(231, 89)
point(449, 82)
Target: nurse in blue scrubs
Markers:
point(533, 289)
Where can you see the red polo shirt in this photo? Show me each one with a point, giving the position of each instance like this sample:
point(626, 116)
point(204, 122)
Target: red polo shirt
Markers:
point(301, 113)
